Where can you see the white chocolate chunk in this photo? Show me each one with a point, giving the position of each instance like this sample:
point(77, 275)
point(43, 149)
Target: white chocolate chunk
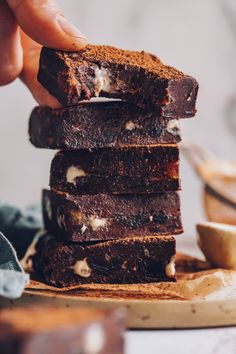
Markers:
point(102, 81)
point(97, 223)
point(73, 172)
point(94, 339)
point(83, 228)
point(82, 268)
point(189, 96)
point(130, 125)
point(173, 126)
point(170, 268)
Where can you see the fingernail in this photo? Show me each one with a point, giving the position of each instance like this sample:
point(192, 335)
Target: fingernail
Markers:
point(68, 28)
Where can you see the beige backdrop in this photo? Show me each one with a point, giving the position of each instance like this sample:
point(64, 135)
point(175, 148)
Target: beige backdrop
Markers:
point(195, 36)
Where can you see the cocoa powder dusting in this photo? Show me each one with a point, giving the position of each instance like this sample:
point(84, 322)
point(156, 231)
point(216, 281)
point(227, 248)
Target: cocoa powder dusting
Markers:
point(142, 60)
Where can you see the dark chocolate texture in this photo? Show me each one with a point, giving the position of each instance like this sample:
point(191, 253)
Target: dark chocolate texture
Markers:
point(142, 169)
point(137, 77)
point(52, 330)
point(100, 124)
point(128, 261)
point(99, 217)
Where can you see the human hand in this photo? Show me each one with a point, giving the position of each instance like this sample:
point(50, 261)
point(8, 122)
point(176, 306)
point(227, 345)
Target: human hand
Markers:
point(26, 25)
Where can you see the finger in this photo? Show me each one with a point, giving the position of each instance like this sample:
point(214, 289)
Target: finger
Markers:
point(42, 21)
point(29, 73)
point(11, 60)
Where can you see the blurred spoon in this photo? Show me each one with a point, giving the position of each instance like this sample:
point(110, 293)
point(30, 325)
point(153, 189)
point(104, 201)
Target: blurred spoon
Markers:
point(219, 178)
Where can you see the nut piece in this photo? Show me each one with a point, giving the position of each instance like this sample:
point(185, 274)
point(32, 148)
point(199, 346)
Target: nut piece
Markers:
point(130, 125)
point(26, 262)
point(97, 223)
point(73, 172)
point(102, 81)
point(173, 127)
point(170, 268)
point(82, 268)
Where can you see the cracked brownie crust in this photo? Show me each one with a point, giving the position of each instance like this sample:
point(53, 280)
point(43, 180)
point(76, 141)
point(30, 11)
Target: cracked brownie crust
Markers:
point(137, 77)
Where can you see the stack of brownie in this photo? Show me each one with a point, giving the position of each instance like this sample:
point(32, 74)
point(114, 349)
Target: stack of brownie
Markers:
point(113, 207)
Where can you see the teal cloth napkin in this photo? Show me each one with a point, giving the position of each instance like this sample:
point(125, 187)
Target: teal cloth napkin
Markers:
point(18, 228)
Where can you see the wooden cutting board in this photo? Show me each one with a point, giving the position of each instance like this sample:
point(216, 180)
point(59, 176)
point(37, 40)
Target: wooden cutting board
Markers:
point(146, 313)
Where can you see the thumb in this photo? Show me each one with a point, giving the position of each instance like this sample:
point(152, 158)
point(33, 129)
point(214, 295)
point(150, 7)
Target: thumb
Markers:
point(42, 21)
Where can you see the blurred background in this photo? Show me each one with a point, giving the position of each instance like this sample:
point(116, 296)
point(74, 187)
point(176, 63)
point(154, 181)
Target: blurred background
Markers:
point(198, 37)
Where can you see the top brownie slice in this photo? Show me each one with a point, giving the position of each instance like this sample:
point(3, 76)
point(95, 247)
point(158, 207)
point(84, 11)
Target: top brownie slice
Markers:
point(137, 77)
